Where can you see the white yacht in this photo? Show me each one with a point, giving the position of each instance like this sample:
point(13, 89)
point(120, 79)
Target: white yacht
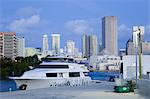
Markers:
point(53, 71)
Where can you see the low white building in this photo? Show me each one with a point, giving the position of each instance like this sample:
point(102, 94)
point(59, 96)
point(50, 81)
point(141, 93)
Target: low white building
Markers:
point(30, 51)
point(105, 62)
point(129, 66)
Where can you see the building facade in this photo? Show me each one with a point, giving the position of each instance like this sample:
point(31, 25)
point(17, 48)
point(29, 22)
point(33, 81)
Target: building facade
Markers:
point(105, 63)
point(70, 45)
point(85, 46)
point(129, 66)
point(131, 50)
point(8, 46)
point(146, 48)
point(131, 45)
point(56, 43)
point(45, 44)
point(21, 47)
point(89, 45)
point(135, 35)
point(93, 45)
point(30, 51)
point(110, 34)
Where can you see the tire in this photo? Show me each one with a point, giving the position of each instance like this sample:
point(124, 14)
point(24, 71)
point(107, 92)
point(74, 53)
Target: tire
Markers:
point(23, 87)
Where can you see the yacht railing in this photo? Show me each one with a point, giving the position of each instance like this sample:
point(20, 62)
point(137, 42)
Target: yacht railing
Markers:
point(78, 81)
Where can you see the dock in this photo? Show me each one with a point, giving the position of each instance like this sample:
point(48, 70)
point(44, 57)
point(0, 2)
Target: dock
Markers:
point(95, 90)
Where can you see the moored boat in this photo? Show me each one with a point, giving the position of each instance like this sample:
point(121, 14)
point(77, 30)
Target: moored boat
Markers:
point(54, 71)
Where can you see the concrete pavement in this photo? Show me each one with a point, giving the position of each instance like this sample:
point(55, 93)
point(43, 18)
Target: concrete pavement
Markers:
point(103, 90)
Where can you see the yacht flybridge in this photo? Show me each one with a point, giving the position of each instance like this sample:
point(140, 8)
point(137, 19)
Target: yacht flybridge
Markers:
point(54, 71)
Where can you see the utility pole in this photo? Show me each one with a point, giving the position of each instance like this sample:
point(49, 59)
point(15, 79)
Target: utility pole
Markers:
point(140, 54)
point(136, 56)
point(138, 47)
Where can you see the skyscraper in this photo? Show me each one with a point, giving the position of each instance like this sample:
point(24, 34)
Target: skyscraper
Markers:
point(93, 45)
point(85, 46)
point(21, 47)
point(56, 43)
point(110, 34)
point(45, 44)
point(8, 45)
point(70, 47)
point(135, 34)
point(89, 45)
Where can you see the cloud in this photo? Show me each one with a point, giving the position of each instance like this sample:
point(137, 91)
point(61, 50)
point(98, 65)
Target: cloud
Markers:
point(124, 31)
point(27, 11)
point(147, 33)
point(23, 24)
point(124, 27)
point(79, 26)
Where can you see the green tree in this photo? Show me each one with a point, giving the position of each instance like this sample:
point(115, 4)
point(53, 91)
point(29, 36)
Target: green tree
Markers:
point(8, 67)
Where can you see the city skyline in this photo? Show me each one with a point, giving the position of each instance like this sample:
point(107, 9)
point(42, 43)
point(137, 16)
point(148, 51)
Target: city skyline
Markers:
point(71, 19)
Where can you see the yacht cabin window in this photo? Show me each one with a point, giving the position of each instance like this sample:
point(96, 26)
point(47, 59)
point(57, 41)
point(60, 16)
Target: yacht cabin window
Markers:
point(74, 74)
point(51, 74)
point(53, 66)
point(60, 74)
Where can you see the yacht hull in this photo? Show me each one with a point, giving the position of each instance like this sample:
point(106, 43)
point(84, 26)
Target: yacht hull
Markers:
point(37, 83)
point(45, 83)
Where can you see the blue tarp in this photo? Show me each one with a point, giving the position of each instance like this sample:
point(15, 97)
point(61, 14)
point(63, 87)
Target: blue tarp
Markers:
point(103, 75)
point(7, 86)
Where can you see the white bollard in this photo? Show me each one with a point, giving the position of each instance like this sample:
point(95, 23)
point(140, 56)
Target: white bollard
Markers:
point(10, 89)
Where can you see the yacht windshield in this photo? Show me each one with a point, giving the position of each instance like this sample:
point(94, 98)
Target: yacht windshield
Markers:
point(52, 66)
point(70, 60)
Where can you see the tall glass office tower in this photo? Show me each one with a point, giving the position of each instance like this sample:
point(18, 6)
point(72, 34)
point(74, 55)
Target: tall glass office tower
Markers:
point(110, 34)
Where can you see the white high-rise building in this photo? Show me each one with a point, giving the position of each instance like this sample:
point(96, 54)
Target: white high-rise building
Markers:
point(136, 30)
point(56, 44)
point(21, 47)
point(110, 34)
point(70, 47)
point(45, 44)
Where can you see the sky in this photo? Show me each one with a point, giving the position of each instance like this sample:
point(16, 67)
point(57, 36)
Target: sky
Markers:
point(71, 18)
